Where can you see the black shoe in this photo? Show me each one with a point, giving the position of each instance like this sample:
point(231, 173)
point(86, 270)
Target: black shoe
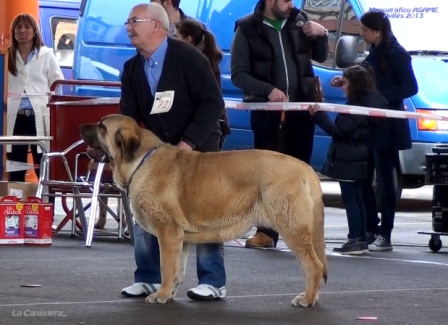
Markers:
point(371, 237)
point(353, 246)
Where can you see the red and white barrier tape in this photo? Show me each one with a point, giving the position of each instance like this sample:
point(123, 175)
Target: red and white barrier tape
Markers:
point(337, 108)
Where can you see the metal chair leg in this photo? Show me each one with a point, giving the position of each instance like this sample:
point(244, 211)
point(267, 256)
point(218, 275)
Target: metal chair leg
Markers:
point(94, 205)
point(120, 219)
point(128, 213)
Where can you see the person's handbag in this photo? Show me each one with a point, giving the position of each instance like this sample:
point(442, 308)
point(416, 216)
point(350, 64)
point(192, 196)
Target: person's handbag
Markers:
point(317, 90)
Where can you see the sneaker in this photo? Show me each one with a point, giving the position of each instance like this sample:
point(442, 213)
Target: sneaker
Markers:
point(365, 246)
point(371, 237)
point(353, 246)
point(140, 289)
point(381, 244)
point(260, 240)
point(206, 292)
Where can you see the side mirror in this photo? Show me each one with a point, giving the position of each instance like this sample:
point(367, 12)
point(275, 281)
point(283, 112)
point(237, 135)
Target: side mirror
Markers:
point(346, 51)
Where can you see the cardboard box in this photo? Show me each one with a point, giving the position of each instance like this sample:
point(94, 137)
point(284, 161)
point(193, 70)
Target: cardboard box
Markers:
point(22, 190)
point(11, 221)
point(38, 219)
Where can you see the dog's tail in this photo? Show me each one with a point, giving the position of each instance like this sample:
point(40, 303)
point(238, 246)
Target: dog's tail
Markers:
point(319, 236)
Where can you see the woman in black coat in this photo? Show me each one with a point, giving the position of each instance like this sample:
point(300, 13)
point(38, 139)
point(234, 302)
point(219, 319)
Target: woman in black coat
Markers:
point(348, 152)
point(395, 81)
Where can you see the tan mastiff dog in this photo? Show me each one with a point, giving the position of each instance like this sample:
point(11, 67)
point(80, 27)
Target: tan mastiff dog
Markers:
point(187, 197)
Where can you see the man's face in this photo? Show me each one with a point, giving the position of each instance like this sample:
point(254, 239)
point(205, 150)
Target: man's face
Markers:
point(281, 9)
point(140, 26)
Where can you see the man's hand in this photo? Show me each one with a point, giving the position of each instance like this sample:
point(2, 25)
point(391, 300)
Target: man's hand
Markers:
point(313, 29)
point(277, 95)
point(184, 146)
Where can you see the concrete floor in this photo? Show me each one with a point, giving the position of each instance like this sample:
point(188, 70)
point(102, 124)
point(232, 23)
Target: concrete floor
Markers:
point(80, 285)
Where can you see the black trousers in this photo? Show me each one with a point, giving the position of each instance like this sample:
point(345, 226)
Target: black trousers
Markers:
point(297, 139)
point(25, 125)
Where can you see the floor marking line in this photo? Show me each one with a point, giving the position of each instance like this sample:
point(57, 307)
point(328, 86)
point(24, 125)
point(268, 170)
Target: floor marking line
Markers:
point(128, 300)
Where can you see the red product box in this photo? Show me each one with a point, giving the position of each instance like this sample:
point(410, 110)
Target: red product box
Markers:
point(11, 221)
point(38, 219)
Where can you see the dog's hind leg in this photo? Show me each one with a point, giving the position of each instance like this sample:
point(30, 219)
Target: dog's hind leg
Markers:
point(171, 239)
point(319, 236)
point(300, 242)
point(183, 267)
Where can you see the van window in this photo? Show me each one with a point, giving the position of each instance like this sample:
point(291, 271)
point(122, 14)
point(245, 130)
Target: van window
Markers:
point(328, 14)
point(221, 20)
point(107, 26)
point(63, 37)
point(352, 26)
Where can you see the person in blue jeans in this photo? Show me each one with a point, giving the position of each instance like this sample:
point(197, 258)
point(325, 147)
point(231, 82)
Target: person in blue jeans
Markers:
point(209, 261)
point(348, 153)
point(192, 123)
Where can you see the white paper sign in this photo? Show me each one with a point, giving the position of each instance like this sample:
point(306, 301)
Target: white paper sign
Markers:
point(14, 166)
point(162, 102)
point(16, 192)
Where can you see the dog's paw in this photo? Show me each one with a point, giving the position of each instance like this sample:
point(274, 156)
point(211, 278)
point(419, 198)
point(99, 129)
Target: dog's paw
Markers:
point(300, 301)
point(158, 298)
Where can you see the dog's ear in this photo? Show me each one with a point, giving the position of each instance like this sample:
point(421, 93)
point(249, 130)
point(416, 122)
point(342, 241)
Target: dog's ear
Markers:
point(128, 140)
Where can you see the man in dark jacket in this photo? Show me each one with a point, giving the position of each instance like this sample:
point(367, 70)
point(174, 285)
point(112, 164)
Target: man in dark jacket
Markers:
point(271, 61)
point(169, 87)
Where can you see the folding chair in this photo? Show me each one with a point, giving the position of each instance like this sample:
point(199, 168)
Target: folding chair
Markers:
point(64, 171)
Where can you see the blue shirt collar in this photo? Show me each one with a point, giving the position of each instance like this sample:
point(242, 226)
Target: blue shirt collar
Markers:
point(158, 56)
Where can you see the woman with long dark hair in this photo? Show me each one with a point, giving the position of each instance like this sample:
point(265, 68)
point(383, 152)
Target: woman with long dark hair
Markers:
point(395, 81)
point(348, 152)
point(32, 69)
point(194, 32)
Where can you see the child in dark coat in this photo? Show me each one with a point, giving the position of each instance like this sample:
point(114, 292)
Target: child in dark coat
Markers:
point(348, 153)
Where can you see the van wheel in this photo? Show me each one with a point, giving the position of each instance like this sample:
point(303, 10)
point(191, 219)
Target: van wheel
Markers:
point(398, 183)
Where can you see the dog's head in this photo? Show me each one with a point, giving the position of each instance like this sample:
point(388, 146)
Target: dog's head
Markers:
point(118, 135)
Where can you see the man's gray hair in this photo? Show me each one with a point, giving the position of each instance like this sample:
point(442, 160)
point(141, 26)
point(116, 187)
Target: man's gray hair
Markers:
point(158, 12)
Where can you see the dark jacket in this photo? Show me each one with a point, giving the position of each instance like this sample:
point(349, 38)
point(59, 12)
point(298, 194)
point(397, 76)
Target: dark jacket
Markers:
point(256, 66)
point(197, 104)
point(348, 152)
point(395, 82)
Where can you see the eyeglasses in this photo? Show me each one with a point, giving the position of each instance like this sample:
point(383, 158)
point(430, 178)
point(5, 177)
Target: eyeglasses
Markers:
point(134, 21)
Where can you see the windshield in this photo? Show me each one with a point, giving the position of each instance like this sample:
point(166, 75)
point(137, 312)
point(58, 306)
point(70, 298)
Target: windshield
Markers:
point(417, 24)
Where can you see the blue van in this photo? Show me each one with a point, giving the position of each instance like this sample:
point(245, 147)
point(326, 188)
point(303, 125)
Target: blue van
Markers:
point(102, 47)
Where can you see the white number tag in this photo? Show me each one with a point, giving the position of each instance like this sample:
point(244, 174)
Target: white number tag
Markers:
point(162, 102)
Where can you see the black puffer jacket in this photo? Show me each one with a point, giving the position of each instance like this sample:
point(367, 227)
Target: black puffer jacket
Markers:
point(348, 152)
point(256, 66)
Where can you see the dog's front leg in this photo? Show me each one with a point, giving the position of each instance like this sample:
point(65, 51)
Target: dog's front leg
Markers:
point(171, 245)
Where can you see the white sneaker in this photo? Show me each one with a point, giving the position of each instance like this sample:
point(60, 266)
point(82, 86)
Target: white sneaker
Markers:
point(140, 289)
point(206, 292)
point(381, 244)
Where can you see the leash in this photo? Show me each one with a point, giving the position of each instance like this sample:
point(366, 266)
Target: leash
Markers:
point(145, 157)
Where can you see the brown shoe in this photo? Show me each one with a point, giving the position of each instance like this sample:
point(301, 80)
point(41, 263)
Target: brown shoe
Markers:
point(260, 240)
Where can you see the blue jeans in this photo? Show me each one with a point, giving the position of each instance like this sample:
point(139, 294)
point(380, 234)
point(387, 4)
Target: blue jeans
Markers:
point(385, 163)
point(354, 206)
point(209, 260)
